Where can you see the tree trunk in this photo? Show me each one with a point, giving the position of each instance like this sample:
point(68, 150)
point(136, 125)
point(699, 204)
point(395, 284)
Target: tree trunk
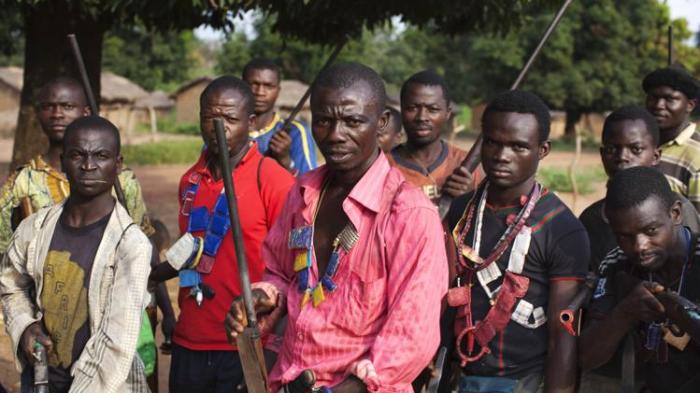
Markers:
point(572, 118)
point(47, 55)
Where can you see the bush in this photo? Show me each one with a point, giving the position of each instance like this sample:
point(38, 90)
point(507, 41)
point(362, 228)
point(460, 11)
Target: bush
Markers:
point(557, 179)
point(167, 124)
point(167, 152)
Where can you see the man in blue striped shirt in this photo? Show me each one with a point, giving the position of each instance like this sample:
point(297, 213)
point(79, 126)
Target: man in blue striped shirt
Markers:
point(295, 150)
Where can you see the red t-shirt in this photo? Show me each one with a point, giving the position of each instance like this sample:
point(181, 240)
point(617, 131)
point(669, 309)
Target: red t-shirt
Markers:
point(202, 328)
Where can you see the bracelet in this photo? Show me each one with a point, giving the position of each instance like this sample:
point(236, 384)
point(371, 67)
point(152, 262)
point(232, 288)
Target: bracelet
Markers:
point(200, 250)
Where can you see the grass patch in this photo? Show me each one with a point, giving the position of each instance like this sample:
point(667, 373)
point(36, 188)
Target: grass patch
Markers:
point(557, 179)
point(588, 143)
point(167, 124)
point(166, 152)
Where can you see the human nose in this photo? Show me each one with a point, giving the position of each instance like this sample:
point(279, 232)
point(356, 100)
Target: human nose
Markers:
point(641, 244)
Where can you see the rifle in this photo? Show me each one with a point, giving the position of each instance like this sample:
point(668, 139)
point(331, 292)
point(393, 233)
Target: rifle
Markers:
point(41, 369)
point(249, 343)
point(93, 105)
point(307, 93)
point(471, 161)
point(683, 313)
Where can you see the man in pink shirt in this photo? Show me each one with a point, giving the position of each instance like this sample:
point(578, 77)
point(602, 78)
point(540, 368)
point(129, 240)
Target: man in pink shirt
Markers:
point(357, 257)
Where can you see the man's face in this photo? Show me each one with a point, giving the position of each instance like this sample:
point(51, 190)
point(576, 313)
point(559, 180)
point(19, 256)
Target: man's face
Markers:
point(628, 144)
point(345, 123)
point(230, 106)
point(424, 112)
point(60, 104)
point(91, 160)
point(265, 85)
point(671, 108)
point(511, 148)
point(646, 233)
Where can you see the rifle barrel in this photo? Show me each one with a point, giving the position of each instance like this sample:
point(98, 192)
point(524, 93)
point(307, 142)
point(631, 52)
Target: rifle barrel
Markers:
point(93, 105)
point(471, 161)
point(235, 222)
point(307, 93)
point(83, 74)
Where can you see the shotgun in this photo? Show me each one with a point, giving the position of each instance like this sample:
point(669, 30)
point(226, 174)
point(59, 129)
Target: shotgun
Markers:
point(249, 343)
point(471, 161)
point(93, 104)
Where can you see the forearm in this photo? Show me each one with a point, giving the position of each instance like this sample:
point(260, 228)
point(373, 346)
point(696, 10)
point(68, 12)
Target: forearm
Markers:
point(599, 341)
point(162, 272)
point(163, 300)
point(560, 369)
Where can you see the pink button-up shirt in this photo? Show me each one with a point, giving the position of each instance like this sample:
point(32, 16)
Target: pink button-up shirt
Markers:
point(382, 321)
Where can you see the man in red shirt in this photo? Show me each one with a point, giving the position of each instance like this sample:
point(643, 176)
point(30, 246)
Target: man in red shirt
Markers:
point(202, 359)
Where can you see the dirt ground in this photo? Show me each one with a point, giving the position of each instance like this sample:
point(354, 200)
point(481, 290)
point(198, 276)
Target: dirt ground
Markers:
point(159, 185)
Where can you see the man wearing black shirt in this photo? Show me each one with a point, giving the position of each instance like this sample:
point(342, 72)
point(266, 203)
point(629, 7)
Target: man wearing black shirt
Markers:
point(630, 138)
point(656, 253)
point(522, 253)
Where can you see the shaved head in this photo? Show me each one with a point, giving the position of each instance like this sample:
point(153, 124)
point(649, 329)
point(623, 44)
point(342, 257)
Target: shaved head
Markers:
point(344, 75)
point(93, 124)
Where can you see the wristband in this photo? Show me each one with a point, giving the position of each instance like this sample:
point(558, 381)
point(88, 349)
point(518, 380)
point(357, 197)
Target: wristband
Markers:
point(200, 250)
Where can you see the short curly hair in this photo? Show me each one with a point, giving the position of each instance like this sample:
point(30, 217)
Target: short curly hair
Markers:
point(520, 101)
point(262, 64)
point(675, 77)
point(228, 82)
point(632, 112)
point(426, 78)
point(631, 187)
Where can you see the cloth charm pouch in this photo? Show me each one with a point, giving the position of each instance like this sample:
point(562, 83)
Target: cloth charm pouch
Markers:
point(458, 296)
point(199, 219)
point(189, 278)
point(206, 263)
point(180, 254)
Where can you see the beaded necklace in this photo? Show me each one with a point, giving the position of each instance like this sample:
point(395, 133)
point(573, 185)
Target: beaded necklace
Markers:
point(476, 263)
point(303, 238)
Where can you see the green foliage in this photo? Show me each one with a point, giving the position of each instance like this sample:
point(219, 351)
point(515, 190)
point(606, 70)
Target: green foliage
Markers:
point(593, 62)
point(11, 38)
point(169, 125)
point(168, 152)
point(557, 179)
point(154, 60)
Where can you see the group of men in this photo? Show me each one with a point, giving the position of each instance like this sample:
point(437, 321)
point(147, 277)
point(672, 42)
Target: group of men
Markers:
point(356, 277)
